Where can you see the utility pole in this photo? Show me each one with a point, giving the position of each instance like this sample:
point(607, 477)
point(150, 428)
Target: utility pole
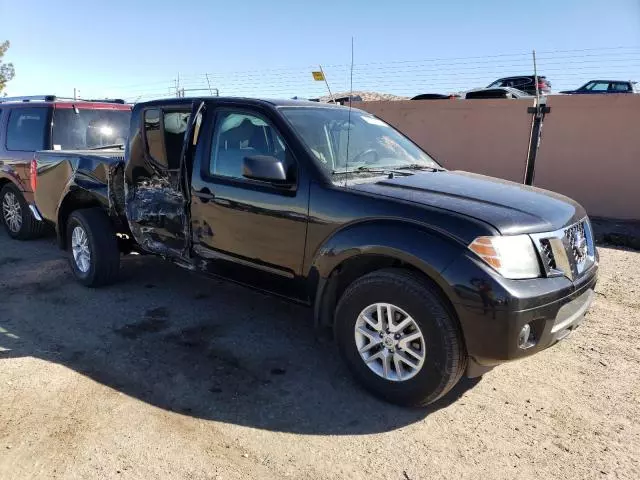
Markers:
point(538, 113)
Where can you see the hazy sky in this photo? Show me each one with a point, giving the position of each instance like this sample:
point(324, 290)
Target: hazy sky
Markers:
point(137, 48)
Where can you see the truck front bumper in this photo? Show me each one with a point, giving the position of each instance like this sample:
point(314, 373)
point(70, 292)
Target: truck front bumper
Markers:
point(494, 316)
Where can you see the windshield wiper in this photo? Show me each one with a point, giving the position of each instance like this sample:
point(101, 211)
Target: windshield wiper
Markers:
point(363, 169)
point(106, 147)
point(385, 169)
point(388, 169)
point(418, 166)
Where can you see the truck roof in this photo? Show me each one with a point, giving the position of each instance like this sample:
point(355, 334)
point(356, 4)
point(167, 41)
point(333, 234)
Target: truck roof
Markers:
point(611, 81)
point(249, 101)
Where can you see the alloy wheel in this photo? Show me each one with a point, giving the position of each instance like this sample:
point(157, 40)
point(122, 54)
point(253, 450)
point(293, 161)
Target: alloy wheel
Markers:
point(390, 342)
point(12, 212)
point(80, 249)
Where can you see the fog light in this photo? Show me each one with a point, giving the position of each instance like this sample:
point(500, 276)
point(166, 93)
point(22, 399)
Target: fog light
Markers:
point(524, 339)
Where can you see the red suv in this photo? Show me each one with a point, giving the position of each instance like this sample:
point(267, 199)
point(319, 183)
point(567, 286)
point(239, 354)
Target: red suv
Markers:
point(28, 124)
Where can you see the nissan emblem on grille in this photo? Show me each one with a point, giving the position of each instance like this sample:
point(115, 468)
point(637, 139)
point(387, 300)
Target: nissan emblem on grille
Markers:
point(578, 242)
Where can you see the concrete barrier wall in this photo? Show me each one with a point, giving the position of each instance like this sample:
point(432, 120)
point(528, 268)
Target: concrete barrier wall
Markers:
point(590, 147)
point(482, 136)
point(590, 151)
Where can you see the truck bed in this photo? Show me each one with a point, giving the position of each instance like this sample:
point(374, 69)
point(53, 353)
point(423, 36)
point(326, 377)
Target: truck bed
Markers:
point(99, 173)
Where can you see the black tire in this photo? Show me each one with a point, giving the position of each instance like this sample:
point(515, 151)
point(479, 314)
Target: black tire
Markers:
point(29, 227)
point(445, 359)
point(104, 261)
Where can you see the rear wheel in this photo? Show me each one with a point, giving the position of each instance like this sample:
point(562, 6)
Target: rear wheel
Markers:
point(399, 337)
point(16, 216)
point(93, 247)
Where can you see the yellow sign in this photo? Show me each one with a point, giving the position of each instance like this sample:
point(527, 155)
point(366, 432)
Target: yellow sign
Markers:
point(318, 76)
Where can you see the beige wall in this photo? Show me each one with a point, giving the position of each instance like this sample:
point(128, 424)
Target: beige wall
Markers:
point(590, 151)
point(590, 147)
point(482, 136)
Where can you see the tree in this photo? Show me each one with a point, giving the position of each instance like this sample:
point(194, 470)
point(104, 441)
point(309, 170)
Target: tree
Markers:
point(6, 69)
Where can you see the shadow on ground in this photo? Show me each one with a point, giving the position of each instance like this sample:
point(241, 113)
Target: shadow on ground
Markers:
point(184, 343)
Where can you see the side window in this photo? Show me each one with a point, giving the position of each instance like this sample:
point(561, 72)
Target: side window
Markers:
point(517, 83)
point(238, 135)
point(620, 87)
point(600, 86)
point(26, 129)
point(164, 131)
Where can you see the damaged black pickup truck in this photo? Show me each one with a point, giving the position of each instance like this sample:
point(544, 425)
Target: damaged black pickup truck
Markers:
point(423, 274)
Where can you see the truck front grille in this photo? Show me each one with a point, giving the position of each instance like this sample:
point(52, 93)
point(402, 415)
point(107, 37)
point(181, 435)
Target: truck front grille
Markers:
point(547, 253)
point(569, 251)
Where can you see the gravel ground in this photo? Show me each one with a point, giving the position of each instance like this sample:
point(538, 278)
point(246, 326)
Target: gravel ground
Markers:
point(170, 375)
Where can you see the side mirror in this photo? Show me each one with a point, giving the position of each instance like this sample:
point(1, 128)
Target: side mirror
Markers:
point(264, 168)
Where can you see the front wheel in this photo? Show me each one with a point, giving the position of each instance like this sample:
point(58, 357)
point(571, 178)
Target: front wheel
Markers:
point(399, 337)
point(93, 247)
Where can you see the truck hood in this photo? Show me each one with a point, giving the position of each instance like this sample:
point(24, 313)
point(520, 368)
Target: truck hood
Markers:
point(511, 208)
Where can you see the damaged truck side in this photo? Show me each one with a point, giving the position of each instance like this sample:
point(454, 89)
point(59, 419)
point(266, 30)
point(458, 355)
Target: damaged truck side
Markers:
point(422, 274)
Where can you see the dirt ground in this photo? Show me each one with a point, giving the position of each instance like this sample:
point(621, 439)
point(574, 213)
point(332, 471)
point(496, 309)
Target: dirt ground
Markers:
point(169, 375)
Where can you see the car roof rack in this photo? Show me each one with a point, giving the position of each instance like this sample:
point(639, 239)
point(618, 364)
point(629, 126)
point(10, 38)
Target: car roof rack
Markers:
point(103, 100)
point(29, 98)
point(53, 98)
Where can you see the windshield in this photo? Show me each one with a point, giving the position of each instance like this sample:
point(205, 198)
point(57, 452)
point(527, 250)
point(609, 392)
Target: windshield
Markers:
point(89, 128)
point(372, 144)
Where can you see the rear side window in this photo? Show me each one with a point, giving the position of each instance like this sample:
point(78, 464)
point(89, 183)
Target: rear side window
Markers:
point(26, 129)
point(620, 87)
point(153, 132)
point(521, 82)
point(164, 132)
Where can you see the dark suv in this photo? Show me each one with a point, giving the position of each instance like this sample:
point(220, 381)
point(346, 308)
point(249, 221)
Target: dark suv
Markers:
point(47, 122)
point(599, 87)
point(526, 83)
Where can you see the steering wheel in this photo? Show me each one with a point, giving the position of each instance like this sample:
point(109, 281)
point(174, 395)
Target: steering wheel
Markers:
point(366, 152)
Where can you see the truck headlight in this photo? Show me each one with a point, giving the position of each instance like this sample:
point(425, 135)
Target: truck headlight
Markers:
point(512, 256)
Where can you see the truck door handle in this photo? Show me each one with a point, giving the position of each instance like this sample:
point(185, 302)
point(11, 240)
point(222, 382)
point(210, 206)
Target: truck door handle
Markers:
point(205, 195)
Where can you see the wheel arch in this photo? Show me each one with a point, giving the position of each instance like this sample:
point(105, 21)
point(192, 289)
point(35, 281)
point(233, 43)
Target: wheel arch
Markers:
point(363, 248)
point(4, 181)
point(72, 201)
point(9, 177)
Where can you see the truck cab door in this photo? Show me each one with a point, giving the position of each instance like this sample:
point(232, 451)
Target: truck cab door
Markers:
point(249, 230)
point(157, 179)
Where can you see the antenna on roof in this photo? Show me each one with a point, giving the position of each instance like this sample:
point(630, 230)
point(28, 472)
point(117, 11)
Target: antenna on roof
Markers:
point(206, 75)
point(346, 162)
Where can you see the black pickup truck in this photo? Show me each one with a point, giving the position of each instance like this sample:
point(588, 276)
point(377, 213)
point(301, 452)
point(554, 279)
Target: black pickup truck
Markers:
point(423, 274)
